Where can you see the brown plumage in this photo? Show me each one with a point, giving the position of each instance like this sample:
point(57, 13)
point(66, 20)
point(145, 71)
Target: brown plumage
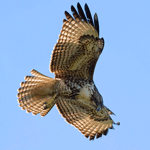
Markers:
point(73, 90)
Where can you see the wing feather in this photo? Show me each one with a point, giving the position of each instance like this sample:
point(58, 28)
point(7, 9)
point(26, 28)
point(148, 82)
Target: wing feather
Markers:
point(96, 23)
point(81, 13)
point(71, 49)
point(83, 117)
point(88, 14)
point(75, 13)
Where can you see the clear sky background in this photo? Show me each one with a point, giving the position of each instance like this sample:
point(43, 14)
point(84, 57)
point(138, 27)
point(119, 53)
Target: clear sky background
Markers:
point(29, 30)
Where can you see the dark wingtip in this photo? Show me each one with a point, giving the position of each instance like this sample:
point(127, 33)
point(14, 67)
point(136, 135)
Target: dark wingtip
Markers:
point(68, 16)
point(118, 123)
point(111, 127)
point(66, 13)
point(78, 3)
point(88, 14)
point(72, 8)
point(80, 11)
point(92, 138)
point(105, 132)
point(98, 135)
point(75, 13)
point(96, 23)
point(81, 15)
point(64, 20)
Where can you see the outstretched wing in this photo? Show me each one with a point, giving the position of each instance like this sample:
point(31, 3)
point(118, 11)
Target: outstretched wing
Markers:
point(78, 47)
point(91, 123)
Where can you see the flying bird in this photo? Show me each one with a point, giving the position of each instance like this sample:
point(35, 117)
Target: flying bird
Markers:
point(72, 90)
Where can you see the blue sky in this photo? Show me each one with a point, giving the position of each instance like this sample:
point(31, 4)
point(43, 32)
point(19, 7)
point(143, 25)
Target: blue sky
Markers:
point(28, 32)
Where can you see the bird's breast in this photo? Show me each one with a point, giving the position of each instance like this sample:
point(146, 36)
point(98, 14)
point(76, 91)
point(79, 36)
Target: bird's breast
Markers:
point(86, 92)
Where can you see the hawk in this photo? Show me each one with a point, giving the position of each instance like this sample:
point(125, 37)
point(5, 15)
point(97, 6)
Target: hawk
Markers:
point(72, 90)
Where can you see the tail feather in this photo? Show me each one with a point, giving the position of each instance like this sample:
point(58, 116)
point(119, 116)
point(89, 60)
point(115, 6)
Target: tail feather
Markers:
point(35, 92)
point(38, 106)
point(25, 89)
point(36, 73)
point(35, 79)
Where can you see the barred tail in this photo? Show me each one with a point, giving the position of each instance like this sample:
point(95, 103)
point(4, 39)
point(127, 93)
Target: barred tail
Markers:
point(36, 93)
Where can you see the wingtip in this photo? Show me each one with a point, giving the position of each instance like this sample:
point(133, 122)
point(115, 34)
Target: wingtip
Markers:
point(118, 123)
point(98, 135)
point(72, 7)
point(92, 138)
point(95, 16)
point(78, 3)
point(65, 12)
point(105, 132)
point(86, 4)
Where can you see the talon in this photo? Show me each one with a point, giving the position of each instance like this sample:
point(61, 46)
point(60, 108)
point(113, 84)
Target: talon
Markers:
point(51, 102)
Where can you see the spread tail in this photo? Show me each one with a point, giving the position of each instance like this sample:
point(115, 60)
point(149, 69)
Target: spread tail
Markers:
point(37, 94)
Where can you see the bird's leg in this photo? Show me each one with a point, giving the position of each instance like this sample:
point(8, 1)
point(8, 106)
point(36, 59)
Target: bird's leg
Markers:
point(51, 102)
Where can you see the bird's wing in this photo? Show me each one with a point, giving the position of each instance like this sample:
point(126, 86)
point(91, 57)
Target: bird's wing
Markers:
point(78, 47)
point(83, 116)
